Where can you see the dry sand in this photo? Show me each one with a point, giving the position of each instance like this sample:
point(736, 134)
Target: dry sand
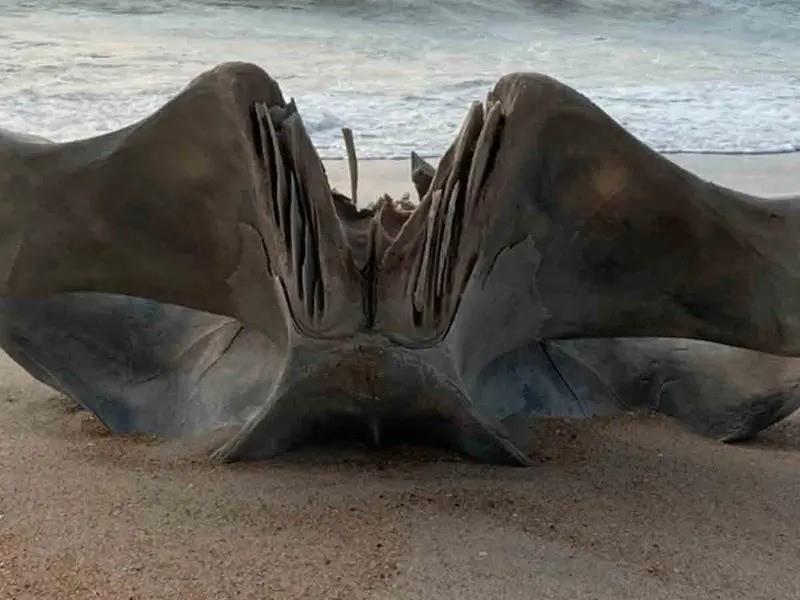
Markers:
point(627, 508)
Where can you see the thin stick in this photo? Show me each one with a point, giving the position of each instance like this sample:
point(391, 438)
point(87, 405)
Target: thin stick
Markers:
point(347, 134)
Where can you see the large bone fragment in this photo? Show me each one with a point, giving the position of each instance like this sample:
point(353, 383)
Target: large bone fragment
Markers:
point(177, 279)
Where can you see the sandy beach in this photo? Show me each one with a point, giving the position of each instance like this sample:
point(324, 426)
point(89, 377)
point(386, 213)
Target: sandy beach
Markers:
point(624, 508)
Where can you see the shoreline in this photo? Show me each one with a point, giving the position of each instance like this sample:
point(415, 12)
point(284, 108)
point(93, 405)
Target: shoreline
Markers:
point(759, 174)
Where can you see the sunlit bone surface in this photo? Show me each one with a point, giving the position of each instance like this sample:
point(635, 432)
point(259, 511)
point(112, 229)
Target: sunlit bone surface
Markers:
point(195, 272)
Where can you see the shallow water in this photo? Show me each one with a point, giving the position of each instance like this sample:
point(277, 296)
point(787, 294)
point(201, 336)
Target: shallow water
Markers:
point(684, 75)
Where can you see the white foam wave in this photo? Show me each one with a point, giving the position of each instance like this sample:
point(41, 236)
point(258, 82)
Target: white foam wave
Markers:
point(76, 69)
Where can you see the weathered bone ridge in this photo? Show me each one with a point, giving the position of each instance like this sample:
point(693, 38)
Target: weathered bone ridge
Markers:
point(195, 272)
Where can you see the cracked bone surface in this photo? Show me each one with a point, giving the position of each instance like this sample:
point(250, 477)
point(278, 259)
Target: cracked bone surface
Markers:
point(194, 272)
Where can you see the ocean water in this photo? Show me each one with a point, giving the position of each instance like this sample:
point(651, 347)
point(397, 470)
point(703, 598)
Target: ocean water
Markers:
point(683, 75)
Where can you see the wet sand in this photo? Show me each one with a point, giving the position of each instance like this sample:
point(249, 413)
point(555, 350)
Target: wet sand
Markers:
point(763, 174)
point(626, 508)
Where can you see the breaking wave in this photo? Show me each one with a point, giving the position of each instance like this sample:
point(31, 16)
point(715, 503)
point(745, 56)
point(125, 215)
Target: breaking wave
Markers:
point(683, 75)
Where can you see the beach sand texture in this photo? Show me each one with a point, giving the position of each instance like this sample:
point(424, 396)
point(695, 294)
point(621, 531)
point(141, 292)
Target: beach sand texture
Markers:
point(623, 508)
